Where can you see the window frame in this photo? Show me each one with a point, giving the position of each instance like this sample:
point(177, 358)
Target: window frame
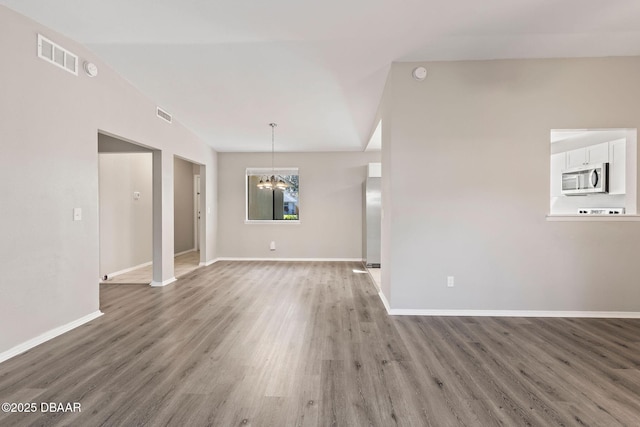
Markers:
point(630, 176)
point(267, 171)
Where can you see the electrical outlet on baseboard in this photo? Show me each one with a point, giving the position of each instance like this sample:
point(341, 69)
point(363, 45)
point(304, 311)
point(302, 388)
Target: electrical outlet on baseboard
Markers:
point(272, 246)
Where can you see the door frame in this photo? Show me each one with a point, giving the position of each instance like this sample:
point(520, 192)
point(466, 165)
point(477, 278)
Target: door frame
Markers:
point(196, 212)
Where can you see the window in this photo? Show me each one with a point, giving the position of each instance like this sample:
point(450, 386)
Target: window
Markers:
point(273, 194)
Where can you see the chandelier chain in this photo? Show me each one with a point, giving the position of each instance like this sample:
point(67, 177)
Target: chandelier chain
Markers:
point(273, 183)
point(273, 146)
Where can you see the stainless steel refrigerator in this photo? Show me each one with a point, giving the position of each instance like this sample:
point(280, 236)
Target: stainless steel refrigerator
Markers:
point(373, 222)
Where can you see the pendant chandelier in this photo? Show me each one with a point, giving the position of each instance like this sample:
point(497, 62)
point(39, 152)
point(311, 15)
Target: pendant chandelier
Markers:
point(273, 182)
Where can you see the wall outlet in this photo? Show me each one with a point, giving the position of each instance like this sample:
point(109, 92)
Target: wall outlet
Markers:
point(272, 246)
point(450, 281)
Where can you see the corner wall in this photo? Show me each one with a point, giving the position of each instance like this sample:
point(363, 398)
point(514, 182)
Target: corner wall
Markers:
point(331, 213)
point(466, 164)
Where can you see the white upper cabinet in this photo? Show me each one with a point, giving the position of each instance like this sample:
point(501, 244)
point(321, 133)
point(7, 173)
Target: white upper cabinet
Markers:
point(576, 158)
point(592, 154)
point(558, 164)
point(617, 166)
point(598, 153)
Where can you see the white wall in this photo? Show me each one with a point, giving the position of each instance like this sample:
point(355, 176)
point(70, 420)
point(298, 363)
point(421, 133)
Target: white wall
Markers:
point(466, 187)
point(183, 172)
point(125, 222)
point(48, 133)
point(331, 210)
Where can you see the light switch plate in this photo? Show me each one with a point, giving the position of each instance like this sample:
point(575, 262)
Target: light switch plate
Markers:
point(77, 214)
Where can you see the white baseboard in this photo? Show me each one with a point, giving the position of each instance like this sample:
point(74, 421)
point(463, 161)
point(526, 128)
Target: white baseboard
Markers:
point(211, 261)
point(163, 283)
point(27, 345)
point(126, 270)
point(384, 301)
point(135, 267)
point(184, 252)
point(290, 259)
point(509, 313)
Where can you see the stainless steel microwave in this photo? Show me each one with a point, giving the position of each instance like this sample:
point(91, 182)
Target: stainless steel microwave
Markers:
point(586, 180)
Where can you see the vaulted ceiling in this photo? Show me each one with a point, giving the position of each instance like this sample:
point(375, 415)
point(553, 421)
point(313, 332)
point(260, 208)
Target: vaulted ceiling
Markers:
point(226, 69)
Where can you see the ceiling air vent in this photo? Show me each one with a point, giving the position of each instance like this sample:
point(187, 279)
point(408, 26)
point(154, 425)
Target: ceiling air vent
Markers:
point(57, 55)
point(163, 115)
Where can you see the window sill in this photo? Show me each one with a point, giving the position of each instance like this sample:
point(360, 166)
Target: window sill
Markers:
point(271, 221)
point(601, 218)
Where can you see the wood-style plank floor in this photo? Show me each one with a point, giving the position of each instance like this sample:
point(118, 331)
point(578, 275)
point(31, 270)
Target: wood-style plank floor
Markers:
point(310, 344)
point(182, 264)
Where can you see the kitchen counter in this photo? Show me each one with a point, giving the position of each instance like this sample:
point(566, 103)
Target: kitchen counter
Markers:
point(577, 217)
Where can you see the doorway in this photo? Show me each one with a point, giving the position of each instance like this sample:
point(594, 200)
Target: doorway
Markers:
point(125, 201)
point(196, 210)
point(187, 214)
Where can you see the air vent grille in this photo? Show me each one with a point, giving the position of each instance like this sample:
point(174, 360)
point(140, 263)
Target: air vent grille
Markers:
point(57, 55)
point(163, 115)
